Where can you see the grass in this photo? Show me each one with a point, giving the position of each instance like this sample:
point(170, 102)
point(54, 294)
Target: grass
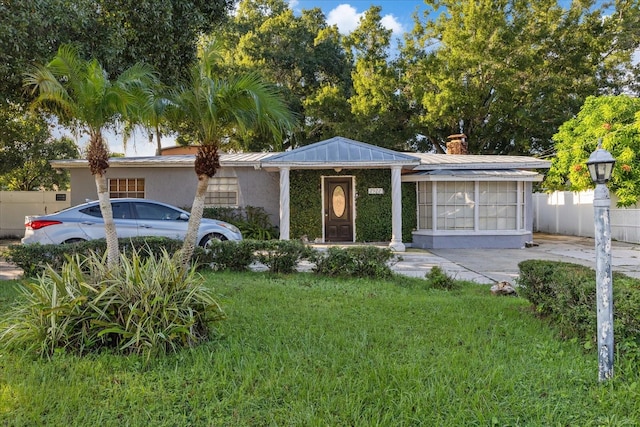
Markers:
point(308, 351)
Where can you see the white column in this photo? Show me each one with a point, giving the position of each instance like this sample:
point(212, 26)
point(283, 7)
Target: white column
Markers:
point(284, 204)
point(396, 211)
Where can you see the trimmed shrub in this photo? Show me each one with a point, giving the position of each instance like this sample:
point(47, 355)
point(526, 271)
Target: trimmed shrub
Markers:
point(149, 305)
point(34, 258)
point(565, 294)
point(229, 255)
point(281, 256)
point(358, 261)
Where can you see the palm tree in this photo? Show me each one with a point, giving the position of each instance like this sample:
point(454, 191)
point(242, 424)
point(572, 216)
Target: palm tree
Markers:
point(216, 109)
point(79, 93)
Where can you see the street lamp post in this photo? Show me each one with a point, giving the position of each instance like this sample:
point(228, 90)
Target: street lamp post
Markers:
point(600, 165)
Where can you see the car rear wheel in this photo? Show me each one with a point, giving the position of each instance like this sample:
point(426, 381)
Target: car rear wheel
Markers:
point(206, 240)
point(76, 240)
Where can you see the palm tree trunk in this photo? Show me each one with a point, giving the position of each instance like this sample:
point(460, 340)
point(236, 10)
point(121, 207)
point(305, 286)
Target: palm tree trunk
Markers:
point(190, 240)
point(158, 141)
point(111, 235)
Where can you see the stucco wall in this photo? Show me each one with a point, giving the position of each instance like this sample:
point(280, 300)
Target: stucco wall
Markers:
point(177, 186)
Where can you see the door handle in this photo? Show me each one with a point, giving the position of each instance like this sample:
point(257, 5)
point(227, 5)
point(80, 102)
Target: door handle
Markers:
point(145, 226)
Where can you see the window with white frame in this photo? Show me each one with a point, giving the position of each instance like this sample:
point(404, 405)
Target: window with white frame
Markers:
point(222, 191)
point(126, 187)
point(468, 205)
point(425, 205)
point(455, 205)
point(498, 208)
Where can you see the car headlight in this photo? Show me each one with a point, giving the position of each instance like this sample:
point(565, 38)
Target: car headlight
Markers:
point(229, 227)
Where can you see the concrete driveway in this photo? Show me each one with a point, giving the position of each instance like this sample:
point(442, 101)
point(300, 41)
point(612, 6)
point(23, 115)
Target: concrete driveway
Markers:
point(496, 265)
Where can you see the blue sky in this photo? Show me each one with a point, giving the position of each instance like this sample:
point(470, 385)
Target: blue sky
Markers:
point(396, 14)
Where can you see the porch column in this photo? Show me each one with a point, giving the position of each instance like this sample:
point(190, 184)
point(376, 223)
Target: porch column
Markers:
point(396, 210)
point(284, 204)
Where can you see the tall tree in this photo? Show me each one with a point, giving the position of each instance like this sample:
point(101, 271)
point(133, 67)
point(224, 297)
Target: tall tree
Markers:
point(215, 109)
point(509, 73)
point(378, 104)
point(299, 53)
point(26, 146)
point(615, 120)
point(81, 95)
point(118, 33)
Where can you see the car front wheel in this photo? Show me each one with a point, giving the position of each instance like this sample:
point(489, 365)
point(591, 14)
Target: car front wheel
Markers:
point(206, 240)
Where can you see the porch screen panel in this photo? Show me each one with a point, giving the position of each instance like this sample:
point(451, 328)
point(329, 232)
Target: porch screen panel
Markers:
point(126, 187)
point(222, 191)
point(425, 197)
point(455, 205)
point(499, 206)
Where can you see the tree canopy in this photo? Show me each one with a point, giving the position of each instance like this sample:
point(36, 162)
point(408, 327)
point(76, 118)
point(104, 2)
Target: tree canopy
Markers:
point(509, 73)
point(615, 120)
point(26, 146)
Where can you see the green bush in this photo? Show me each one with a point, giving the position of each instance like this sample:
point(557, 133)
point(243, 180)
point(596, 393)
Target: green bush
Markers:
point(34, 258)
point(230, 255)
point(565, 293)
point(281, 256)
point(438, 279)
point(356, 261)
point(149, 305)
point(253, 222)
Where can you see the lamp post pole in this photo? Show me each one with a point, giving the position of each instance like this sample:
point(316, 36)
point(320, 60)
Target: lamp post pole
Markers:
point(604, 281)
point(600, 166)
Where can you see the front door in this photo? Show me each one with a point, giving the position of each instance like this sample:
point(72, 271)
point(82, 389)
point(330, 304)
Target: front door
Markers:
point(338, 210)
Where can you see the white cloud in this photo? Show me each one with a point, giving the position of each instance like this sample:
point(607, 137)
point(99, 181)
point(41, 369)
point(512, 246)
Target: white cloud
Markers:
point(390, 22)
point(293, 4)
point(346, 17)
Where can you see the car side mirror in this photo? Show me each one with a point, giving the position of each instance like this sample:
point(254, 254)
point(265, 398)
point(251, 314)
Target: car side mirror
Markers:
point(184, 217)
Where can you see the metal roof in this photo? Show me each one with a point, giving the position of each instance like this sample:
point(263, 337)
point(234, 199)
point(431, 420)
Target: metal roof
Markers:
point(337, 152)
point(175, 161)
point(471, 161)
point(473, 175)
point(340, 152)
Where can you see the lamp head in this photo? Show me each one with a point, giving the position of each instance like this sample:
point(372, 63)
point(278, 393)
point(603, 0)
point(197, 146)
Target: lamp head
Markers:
point(600, 164)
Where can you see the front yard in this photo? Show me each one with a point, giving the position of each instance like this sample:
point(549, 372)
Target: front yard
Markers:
point(307, 350)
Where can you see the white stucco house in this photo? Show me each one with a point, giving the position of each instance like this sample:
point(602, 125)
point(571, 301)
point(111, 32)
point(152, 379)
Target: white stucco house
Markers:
point(341, 190)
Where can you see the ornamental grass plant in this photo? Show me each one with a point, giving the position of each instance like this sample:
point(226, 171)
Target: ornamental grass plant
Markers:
point(148, 305)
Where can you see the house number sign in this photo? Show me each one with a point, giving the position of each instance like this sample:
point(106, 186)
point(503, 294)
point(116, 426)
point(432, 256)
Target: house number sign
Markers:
point(376, 191)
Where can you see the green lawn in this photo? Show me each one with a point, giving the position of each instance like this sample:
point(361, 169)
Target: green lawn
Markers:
point(307, 351)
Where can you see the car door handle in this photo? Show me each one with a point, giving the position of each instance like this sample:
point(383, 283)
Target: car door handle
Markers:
point(87, 223)
point(145, 226)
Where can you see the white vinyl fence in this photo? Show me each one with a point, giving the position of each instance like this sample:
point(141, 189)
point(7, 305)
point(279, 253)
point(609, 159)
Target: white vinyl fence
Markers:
point(15, 205)
point(565, 212)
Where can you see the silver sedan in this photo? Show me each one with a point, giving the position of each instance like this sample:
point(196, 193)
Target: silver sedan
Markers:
point(132, 217)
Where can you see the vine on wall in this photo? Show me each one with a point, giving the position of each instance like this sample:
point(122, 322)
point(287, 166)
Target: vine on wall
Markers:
point(373, 211)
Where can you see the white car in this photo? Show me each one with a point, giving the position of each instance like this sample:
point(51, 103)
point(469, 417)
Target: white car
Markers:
point(132, 217)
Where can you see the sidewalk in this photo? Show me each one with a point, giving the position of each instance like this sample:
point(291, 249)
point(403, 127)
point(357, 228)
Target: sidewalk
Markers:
point(488, 266)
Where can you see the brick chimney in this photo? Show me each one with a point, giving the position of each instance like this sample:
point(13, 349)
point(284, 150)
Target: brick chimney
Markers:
point(457, 144)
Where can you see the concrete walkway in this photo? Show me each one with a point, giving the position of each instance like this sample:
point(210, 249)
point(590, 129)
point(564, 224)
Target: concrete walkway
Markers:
point(489, 266)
